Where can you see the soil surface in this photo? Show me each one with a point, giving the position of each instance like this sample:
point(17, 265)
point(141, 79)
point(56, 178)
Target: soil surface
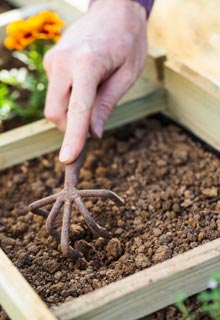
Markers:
point(170, 184)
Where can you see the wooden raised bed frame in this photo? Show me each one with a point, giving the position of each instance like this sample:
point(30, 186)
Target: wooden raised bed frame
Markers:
point(183, 95)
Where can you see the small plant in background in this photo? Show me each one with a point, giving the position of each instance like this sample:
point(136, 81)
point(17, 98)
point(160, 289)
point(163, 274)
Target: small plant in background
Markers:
point(31, 39)
point(183, 308)
point(208, 301)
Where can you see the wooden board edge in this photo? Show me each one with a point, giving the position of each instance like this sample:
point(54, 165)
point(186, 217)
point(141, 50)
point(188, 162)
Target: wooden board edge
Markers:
point(160, 56)
point(193, 101)
point(42, 137)
point(24, 3)
point(194, 77)
point(17, 297)
point(149, 290)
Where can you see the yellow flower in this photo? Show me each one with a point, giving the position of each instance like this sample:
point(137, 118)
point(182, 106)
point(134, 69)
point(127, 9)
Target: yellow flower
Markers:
point(46, 25)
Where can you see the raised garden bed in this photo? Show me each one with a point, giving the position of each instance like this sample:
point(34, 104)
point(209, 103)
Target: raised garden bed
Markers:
point(171, 207)
point(162, 173)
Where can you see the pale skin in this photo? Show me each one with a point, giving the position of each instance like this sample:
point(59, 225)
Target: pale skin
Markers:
point(93, 65)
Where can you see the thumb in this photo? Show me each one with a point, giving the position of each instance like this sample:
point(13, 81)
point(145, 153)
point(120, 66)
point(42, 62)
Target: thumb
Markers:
point(108, 96)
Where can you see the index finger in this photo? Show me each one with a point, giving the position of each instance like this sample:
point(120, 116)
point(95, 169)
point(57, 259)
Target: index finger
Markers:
point(85, 82)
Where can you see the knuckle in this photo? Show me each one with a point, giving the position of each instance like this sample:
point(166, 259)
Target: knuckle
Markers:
point(85, 54)
point(57, 56)
point(107, 103)
point(79, 107)
point(51, 115)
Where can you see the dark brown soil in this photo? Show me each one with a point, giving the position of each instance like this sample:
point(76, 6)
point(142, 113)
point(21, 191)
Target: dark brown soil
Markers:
point(170, 184)
point(5, 6)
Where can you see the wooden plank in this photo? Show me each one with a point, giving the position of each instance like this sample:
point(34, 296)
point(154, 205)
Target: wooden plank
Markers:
point(194, 102)
point(148, 290)
point(17, 297)
point(23, 3)
point(28, 142)
point(67, 11)
point(42, 137)
point(81, 5)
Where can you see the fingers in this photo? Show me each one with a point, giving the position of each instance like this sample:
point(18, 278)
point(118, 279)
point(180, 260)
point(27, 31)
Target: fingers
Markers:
point(57, 101)
point(58, 93)
point(108, 96)
point(86, 80)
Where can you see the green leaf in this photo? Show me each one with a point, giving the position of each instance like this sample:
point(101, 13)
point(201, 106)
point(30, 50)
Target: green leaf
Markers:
point(17, 77)
point(7, 102)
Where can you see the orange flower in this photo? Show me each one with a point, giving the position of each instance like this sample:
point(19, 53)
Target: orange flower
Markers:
point(46, 25)
point(11, 44)
point(51, 18)
point(19, 35)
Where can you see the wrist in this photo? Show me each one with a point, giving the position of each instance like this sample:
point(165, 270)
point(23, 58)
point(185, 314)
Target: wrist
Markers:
point(147, 4)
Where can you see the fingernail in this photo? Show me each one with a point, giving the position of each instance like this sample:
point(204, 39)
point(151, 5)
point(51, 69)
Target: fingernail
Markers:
point(99, 128)
point(65, 153)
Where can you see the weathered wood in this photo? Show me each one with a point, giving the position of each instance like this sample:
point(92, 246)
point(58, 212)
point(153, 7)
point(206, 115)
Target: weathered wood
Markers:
point(42, 137)
point(22, 3)
point(148, 290)
point(28, 142)
point(80, 5)
point(17, 297)
point(194, 102)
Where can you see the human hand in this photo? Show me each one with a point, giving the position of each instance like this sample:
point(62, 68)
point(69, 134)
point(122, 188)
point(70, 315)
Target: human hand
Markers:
point(96, 61)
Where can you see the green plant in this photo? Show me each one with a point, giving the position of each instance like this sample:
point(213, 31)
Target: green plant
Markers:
point(208, 301)
point(31, 39)
point(7, 102)
point(183, 308)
